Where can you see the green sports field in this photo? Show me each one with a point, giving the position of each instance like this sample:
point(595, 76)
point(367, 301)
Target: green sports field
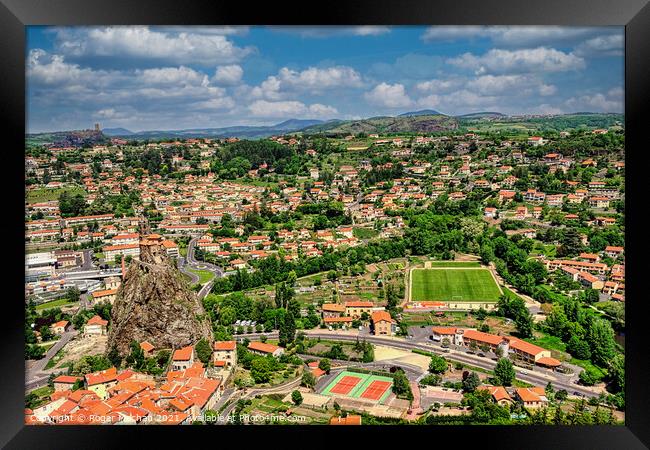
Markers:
point(362, 386)
point(461, 285)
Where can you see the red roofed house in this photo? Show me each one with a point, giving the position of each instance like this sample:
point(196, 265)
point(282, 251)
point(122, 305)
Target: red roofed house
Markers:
point(451, 333)
point(100, 382)
point(499, 394)
point(355, 309)
point(613, 252)
point(382, 323)
point(332, 310)
point(262, 348)
point(65, 382)
point(534, 397)
point(106, 295)
point(96, 326)
point(183, 358)
point(60, 327)
point(226, 352)
point(147, 348)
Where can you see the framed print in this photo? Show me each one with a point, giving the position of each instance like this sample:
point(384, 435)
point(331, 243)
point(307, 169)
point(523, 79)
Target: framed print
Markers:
point(391, 218)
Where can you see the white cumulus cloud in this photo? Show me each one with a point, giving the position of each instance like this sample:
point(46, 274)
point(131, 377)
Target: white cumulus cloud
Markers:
point(388, 96)
point(142, 42)
point(541, 59)
point(228, 75)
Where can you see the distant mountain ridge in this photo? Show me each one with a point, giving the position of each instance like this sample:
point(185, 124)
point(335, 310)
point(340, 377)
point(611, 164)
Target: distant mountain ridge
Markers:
point(415, 123)
point(410, 122)
point(422, 112)
point(240, 131)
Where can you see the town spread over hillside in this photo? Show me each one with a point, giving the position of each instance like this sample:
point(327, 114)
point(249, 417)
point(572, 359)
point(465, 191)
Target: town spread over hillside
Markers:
point(417, 269)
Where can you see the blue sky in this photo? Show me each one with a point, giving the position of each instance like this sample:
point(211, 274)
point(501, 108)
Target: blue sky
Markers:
point(145, 78)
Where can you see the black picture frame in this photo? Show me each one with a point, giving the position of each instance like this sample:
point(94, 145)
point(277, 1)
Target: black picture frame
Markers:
point(633, 14)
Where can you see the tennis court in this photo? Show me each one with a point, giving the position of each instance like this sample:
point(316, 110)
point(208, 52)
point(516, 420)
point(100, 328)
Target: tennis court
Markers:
point(359, 385)
point(376, 390)
point(345, 385)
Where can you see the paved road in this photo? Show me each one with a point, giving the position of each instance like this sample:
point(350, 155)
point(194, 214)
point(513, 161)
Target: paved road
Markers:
point(190, 262)
point(87, 259)
point(248, 393)
point(536, 376)
point(36, 376)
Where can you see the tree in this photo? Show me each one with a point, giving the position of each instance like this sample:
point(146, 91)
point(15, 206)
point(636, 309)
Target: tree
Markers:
point(261, 369)
point(324, 364)
point(471, 382)
point(561, 395)
point(135, 359)
point(34, 351)
point(616, 373)
point(504, 372)
point(46, 333)
point(203, 350)
point(549, 390)
point(287, 332)
point(308, 379)
point(588, 377)
point(438, 364)
point(578, 348)
point(600, 337)
point(401, 385)
point(73, 294)
point(524, 324)
point(296, 397)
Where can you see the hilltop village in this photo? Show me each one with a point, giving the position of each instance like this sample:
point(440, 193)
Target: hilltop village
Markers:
point(474, 275)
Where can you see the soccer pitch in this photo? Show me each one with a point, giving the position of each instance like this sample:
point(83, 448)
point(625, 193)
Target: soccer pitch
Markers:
point(458, 285)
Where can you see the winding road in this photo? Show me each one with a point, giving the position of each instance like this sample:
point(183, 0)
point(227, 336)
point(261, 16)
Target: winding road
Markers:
point(190, 262)
point(36, 375)
point(536, 376)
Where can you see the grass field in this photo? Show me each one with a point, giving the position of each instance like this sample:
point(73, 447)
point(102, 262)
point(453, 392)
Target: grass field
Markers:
point(462, 285)
point(54, 304)
point(359, 385)
point(204, 275)
point(47, 194)
point(454, 264)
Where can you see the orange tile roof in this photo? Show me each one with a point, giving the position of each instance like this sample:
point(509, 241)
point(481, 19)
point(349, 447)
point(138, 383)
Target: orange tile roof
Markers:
point(66, 379)
point(525, 347)
point(97, 320)
point(262, 347)
point(550, 362)
point(183, 354)
point(180, 403)
point(482, 337)
point(498, 392)
point(146, 346)
point(333, 307)
point(526, 395)
point(104, 293)
point(225, 345)
point(359, 304)
point(444, 330)
point(349, 420)
point(338, 319)
point(381, 316)
point(103, 376)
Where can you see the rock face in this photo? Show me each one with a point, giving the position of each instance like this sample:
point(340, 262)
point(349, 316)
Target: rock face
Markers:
point(154, 303)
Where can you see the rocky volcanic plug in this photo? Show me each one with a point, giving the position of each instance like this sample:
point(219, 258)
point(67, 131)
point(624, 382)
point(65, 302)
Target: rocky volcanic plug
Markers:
point(155, 304)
